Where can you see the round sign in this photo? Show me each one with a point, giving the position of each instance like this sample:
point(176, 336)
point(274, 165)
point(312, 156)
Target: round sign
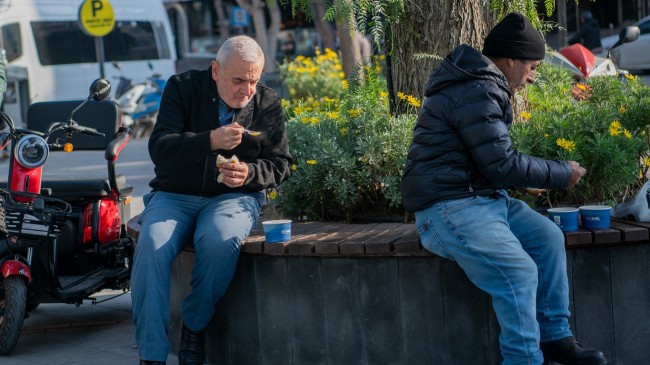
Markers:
point(96, 17)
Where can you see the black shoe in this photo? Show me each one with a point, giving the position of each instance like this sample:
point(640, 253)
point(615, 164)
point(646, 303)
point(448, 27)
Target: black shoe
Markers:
point(568, 351)
point(150, 362)
point(192, 348)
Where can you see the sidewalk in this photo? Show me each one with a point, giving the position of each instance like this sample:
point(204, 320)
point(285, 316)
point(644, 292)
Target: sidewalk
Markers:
point(62, 334)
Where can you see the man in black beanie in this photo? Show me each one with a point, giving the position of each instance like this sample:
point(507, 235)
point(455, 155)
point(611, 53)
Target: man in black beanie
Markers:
point(458, 169)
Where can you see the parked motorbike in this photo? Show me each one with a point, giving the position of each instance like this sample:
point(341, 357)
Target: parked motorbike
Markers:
point(62, 240)
point(140, 103)
point(583, 63)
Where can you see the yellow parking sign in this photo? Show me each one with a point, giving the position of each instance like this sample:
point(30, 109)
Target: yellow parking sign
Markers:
point(96, 17)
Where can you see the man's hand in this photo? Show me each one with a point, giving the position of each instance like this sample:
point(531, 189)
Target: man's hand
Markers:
point(226, 137)
point(234, 173)
point(578, 172)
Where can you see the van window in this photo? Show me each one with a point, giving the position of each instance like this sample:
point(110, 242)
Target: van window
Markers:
point(60, 43)
point(11, 41)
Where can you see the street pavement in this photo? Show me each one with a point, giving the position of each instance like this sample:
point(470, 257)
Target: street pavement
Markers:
point(103, 333)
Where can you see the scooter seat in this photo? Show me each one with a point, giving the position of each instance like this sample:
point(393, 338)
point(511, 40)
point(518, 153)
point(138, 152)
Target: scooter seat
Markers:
point(71, 188)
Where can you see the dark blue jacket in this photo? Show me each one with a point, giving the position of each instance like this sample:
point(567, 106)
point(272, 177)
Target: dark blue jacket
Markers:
point(461, 143)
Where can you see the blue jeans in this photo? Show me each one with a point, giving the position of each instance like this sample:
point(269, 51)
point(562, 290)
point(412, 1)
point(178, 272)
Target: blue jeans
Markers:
point(169, 223)
point(514, 254)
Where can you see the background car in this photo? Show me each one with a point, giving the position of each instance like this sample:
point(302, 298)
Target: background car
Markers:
point(634, 56)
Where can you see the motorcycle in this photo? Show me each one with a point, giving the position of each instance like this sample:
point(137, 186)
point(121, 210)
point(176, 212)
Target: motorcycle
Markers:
point(140, 102)
point(583, 63)
point(62, 240)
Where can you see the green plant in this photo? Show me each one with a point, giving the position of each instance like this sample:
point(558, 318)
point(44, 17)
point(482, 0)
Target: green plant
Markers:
point(348, 154)
point(601, 123)
point(313, 77)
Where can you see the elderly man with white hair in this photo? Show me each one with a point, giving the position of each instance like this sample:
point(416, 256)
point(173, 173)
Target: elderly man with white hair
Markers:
point(205, 114)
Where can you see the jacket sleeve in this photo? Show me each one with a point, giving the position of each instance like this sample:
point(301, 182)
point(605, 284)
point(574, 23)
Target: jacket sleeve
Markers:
point(273, 165)
point(171, 146)
point(486, 135)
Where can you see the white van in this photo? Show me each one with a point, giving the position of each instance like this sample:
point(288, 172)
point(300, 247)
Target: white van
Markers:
point(44, 38)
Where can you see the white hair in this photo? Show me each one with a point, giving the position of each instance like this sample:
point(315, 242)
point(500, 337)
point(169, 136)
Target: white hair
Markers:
point(244, 46)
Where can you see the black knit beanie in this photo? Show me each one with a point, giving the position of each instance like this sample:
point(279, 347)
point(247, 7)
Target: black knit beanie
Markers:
point(515, 37)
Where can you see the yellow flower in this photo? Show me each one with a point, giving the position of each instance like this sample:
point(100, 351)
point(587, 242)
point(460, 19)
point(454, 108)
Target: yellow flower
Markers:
point(566, 144)
point(413, 101)
point(627, 133)
point(630, 77)
point(311, 162)
point(401, 95)
point(298, 110)
point(304, 120)
point(355, 112)
point(328, 100)
point(333, 115)
point(294, 167)
point(615, 128)
point(526, 115)
point(646, 161)
point(344, 84)
point(621, 109)
point(284, 103)
point(344, 131)
point(545, 135)
point(313, 120)
point(383, 94)
point(273, 195)
point(582, 87)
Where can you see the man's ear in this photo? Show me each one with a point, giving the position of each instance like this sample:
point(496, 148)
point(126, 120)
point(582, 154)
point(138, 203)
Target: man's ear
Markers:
point(215, 69)
point(510, 62)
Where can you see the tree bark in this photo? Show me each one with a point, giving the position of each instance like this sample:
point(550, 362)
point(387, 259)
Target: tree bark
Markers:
point(432, 27)
point(350, 51)
point(267, 38)
point(222, 20)
point(323, 27)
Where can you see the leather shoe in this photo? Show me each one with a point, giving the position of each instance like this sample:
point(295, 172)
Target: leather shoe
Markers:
point(150, 362)
point(568, 351)
point(192, 348)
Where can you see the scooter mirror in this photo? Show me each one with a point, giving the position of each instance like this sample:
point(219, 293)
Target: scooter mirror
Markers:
point(100, 89)
point(627, 35)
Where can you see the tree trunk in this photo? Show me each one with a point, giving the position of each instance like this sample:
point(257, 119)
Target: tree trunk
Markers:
point(350, 51)
point(323, 27)
point(222, 20)
point(267, 38)
point(432, 27)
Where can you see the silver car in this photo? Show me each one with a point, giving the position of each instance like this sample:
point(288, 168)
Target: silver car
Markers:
point(634, 56)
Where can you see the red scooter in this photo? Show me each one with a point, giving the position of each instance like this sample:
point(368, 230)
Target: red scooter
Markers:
point(61, 240)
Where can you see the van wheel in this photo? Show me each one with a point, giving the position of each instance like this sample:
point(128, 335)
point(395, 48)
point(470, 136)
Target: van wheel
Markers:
point(13, 299)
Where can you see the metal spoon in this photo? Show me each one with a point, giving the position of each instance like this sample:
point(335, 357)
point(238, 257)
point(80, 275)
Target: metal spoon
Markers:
point(252, 133)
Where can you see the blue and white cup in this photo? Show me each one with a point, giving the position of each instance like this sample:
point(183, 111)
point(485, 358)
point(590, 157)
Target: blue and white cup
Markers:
point(278, 230)
point(565, 217)
point(595, 216)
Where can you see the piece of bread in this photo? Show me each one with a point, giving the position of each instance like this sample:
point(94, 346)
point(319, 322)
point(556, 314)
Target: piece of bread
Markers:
point(535, 191)
point(222, 160)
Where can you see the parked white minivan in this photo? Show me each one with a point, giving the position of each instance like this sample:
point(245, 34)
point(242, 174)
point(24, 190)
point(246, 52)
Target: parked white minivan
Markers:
point(44, 38)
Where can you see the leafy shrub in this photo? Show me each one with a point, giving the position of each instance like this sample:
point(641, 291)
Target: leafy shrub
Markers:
point(601, 123)
point(348, 153)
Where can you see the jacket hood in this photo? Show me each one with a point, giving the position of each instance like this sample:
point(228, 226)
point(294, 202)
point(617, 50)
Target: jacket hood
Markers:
point(465, 63)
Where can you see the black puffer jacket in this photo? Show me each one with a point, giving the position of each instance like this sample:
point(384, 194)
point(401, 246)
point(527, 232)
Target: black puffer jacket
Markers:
point(180, 142)
point(461, 144)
